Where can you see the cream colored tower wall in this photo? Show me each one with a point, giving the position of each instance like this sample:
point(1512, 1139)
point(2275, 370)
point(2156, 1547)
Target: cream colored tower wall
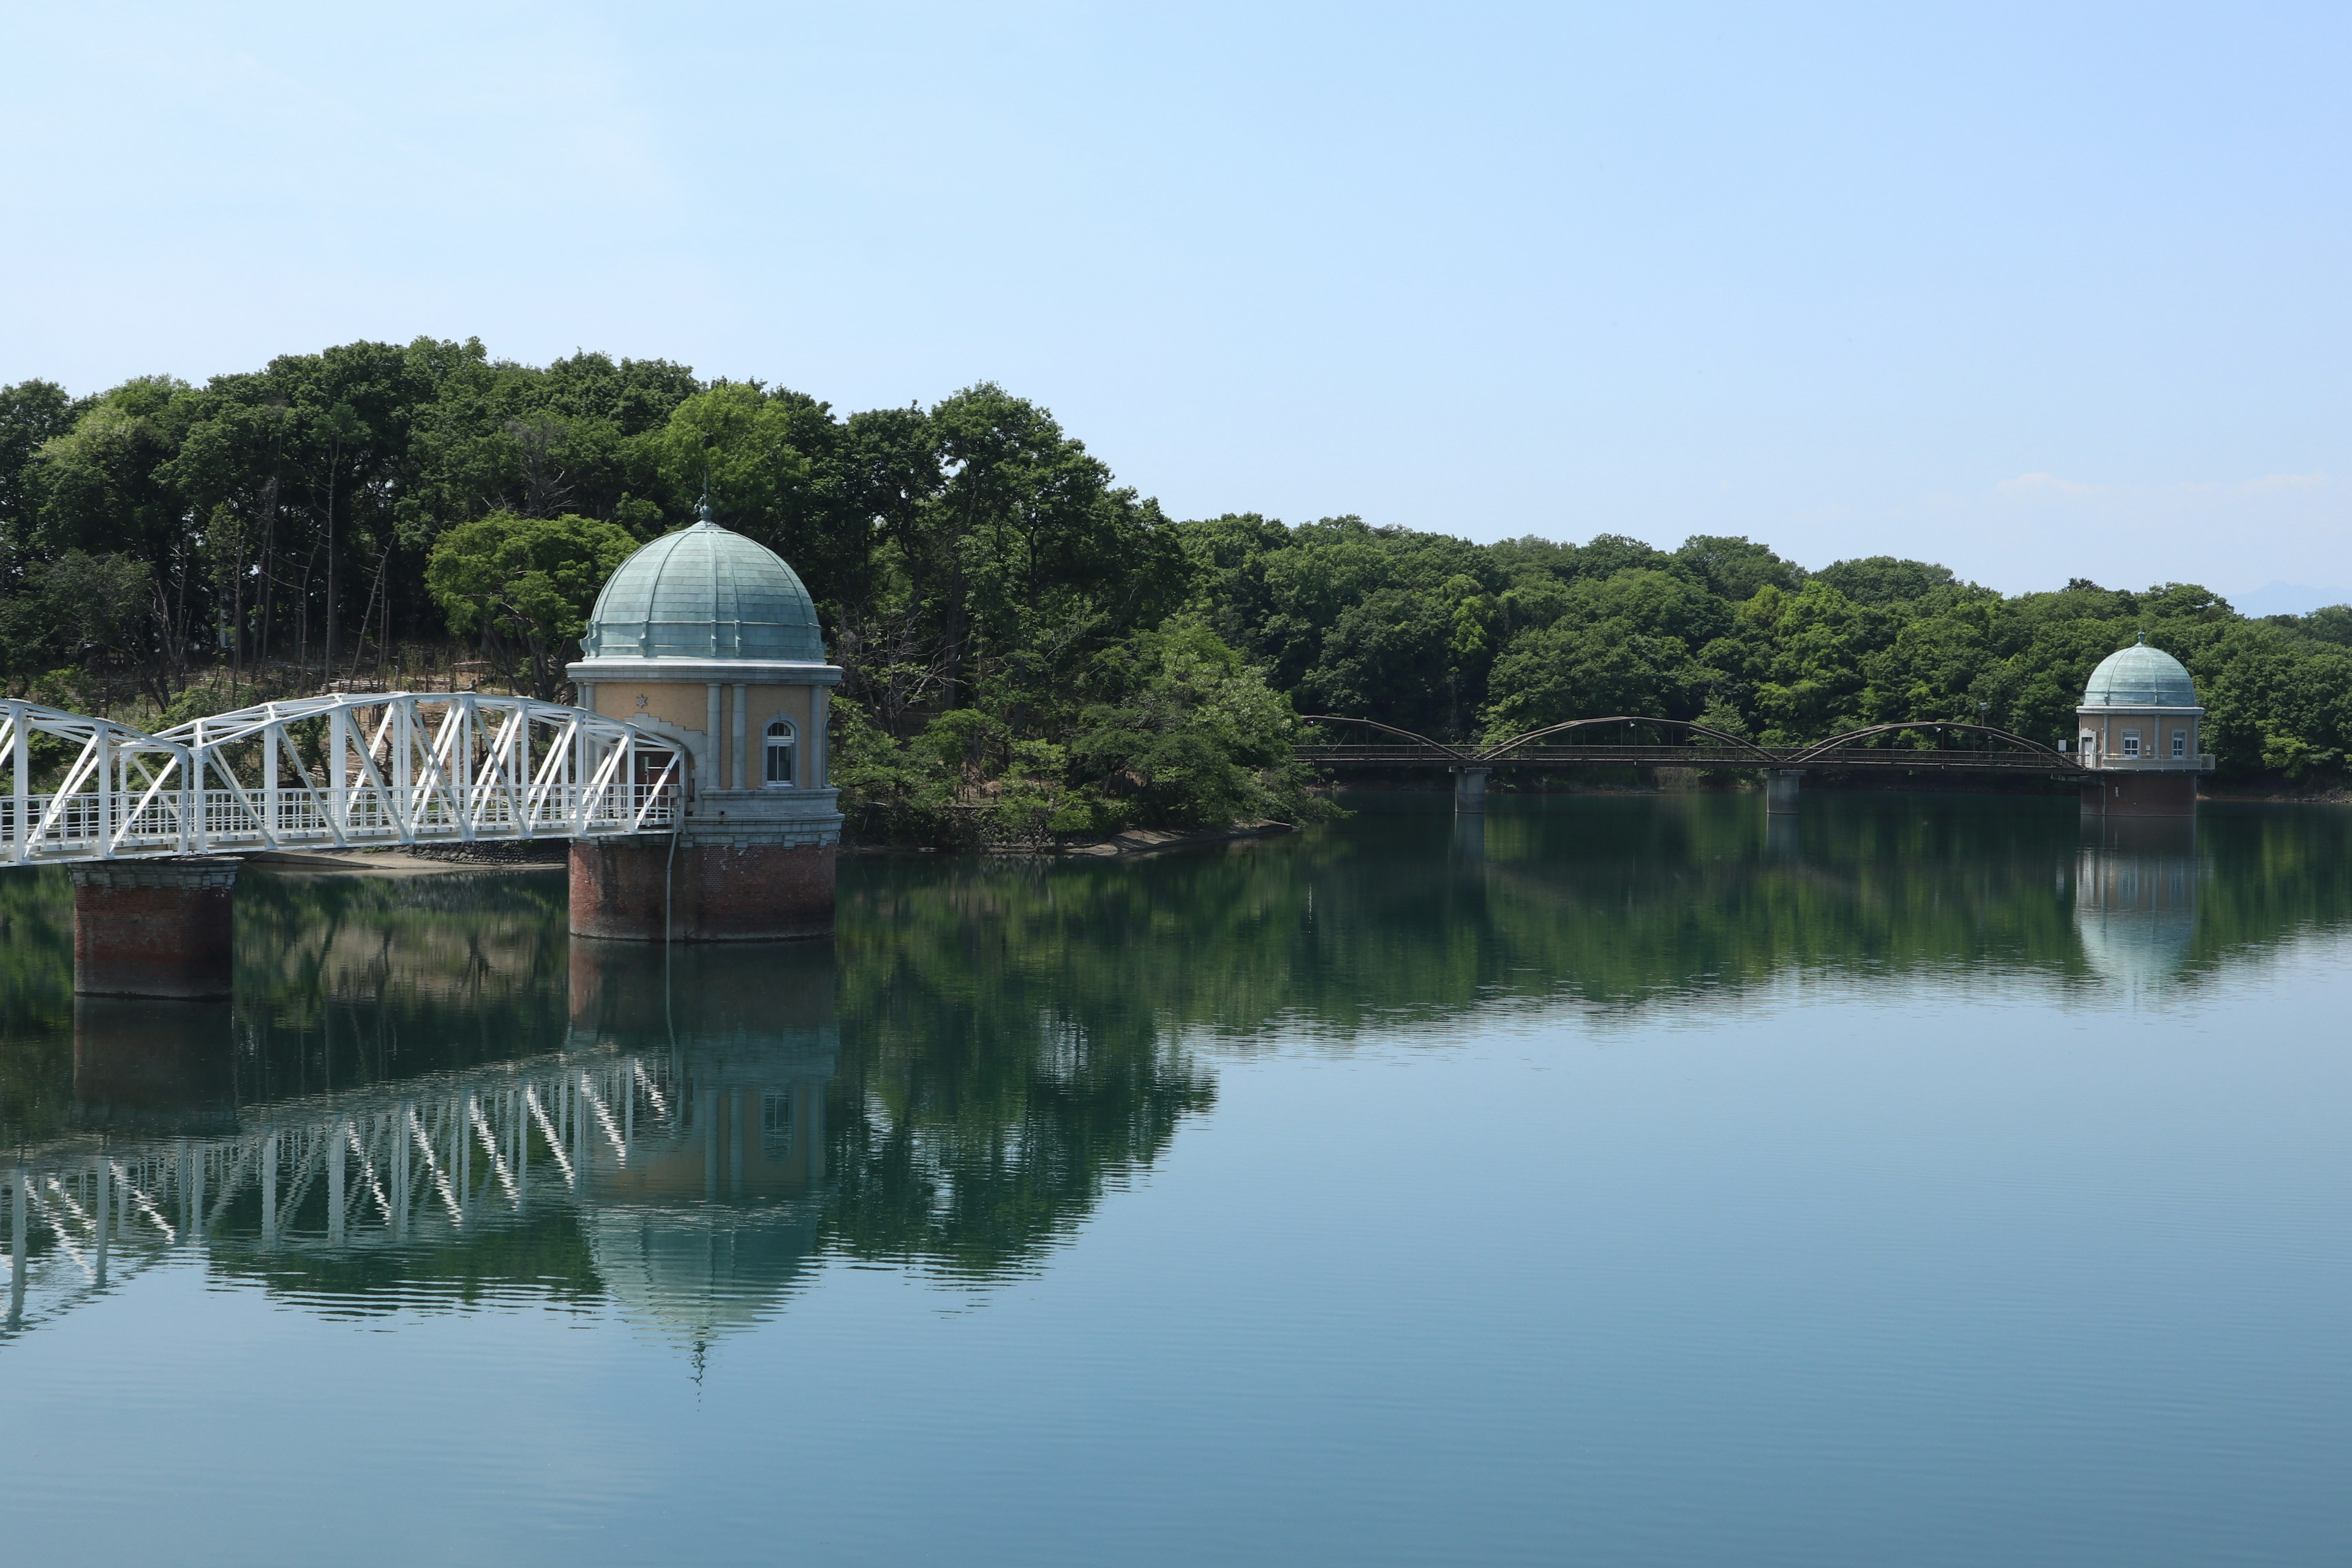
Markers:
point(684, 707)
point(2155, 732)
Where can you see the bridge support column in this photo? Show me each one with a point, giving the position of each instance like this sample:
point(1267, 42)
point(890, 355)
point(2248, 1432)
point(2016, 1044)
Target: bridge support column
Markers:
point(2119, 793)
point(744, 867)
point(1780, 790)
point(1470, 789)
point(154, 928)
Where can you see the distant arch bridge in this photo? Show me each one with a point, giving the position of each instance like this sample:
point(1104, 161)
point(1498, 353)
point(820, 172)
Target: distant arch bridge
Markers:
point(1623, 740)
point(346, 770)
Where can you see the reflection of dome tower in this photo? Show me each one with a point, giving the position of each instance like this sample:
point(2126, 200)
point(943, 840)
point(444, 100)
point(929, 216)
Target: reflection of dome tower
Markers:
point(708, 1227)
point(695, 1274)
point(2138, 730)
point(2136, 901)
point(708, 637)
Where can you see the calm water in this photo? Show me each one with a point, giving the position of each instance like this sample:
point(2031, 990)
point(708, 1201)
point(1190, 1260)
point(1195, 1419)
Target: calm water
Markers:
point(1623, 1184)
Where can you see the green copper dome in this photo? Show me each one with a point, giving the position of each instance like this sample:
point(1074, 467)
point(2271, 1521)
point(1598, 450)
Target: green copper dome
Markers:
point(2141, 676)
point(704, 592)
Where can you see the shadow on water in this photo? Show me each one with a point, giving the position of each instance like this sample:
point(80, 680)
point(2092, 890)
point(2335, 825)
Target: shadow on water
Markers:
point(426, 1094)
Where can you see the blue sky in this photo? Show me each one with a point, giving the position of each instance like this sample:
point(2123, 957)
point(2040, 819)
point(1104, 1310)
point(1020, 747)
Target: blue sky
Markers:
point(2037, 291)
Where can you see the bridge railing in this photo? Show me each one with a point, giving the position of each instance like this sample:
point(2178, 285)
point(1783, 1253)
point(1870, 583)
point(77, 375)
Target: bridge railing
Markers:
point(73, 827)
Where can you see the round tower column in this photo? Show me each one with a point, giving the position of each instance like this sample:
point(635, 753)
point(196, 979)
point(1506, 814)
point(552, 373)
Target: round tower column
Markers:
point(710, 640)
point(2140, 731)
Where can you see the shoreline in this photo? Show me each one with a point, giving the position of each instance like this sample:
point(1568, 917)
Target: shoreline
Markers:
point(400, 863)
point(1133, 843)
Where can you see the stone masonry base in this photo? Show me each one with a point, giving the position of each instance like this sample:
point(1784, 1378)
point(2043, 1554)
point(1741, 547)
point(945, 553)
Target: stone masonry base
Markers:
point(633, 890)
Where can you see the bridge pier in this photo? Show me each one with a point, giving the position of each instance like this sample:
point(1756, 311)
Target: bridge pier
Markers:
point(1780, 790)
point(1470, 789)
point(154, 928)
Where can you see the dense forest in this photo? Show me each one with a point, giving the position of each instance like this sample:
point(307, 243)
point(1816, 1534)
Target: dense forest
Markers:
point(1030, 645)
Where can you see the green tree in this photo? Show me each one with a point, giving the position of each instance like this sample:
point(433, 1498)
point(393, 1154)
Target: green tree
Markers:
point(78, 631)
point(1184, 732)
point(525, 586)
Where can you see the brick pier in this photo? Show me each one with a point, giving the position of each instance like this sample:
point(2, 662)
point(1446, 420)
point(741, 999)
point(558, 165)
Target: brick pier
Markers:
point(154, 928)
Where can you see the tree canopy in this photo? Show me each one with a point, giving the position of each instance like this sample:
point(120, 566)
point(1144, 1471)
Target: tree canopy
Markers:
point(1027, 639)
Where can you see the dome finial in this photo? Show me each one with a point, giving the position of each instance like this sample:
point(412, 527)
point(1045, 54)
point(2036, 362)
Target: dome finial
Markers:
point(2143, 636)
point(703, 507)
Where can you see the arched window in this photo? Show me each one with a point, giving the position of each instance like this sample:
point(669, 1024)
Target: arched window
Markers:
point(779, 752)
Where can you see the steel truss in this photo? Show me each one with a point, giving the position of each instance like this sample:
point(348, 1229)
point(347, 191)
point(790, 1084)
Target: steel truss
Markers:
point(426, 1161)
point(340, 772)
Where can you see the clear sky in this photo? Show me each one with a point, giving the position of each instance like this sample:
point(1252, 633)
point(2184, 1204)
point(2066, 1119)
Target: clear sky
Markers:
point(2038, 291)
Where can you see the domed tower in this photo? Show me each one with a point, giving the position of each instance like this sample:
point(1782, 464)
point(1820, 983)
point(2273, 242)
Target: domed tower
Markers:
point(2139, 732)
point(708, 637)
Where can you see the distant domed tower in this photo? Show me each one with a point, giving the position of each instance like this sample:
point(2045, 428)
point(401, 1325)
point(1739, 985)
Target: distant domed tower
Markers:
point(2139, 732)
point(708, 637)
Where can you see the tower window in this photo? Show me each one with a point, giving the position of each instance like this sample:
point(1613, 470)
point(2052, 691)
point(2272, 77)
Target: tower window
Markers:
point(2180, 742)
point(2131, 743)
point(779, 751)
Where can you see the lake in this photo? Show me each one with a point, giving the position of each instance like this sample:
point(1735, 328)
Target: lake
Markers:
point(1619, 1179)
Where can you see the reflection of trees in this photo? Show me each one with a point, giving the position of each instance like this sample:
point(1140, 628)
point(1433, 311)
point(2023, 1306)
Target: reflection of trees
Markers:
point(994, 1043)
point(348, 980)
point(1004, 1060)
point(544, 1257)
point(1620, 901)
point(36, 1004)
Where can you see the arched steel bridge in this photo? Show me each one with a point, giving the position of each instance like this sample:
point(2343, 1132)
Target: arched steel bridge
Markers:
point(1695, 746)
point(337, 772)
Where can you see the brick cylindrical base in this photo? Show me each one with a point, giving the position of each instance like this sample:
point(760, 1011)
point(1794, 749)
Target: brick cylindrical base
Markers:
point(154, 928)
point(2140, 795)
point(636, 890)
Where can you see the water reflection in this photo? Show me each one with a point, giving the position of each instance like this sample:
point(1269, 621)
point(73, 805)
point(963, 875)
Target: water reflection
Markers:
point(668, 1156)
point(426, 1095)
point(153, 1066)
point(2136, 901)
point(708, 1229)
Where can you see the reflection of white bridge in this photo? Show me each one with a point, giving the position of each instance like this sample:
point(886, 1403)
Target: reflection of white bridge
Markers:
point(327, 771)
point(414, 1165)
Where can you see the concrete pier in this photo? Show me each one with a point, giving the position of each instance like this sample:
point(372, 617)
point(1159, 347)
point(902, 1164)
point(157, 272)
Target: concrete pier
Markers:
point(1470, 789)
point(154, 928)
point(1780, 790)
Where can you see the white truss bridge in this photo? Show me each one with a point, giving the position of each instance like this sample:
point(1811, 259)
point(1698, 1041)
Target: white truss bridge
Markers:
point(338, 771)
